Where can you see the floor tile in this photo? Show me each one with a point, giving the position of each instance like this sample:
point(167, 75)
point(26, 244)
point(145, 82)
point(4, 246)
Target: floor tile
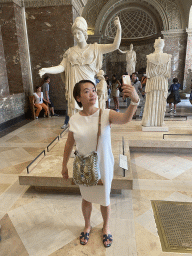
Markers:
point(11, 243)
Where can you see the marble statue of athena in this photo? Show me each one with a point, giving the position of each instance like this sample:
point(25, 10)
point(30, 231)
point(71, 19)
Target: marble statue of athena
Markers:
point(158, 72)
point(83, 61)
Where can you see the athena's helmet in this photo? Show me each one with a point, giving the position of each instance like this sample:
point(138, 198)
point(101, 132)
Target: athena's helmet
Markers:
point(81, 24)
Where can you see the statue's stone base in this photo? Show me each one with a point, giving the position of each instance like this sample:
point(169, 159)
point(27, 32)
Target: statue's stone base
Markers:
point(155, 129)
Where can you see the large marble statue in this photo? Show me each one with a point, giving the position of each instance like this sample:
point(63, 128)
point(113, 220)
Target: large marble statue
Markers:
point(82, 61)
point(102, 89)
point(158, 72)
point(130, 59)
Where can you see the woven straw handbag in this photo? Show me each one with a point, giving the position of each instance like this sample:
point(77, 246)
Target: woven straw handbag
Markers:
point(86, 168)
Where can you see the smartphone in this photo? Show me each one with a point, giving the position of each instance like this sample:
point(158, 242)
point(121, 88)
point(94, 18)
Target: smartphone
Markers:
point(126, 79)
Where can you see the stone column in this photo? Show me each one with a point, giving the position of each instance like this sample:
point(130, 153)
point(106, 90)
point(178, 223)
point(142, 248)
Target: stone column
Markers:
point(175, 44)
point(4, 88)
point(188, 63)
point(14, 74)
point(9, 28)
point(49, 33)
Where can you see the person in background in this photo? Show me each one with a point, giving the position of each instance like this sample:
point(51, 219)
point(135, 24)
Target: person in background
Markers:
point(45, 87)
point(190, 97)
point(108, 91)
point(142, 102)
point(115, 92)
point(137, 84)
point(38, 102)
point(174, 96)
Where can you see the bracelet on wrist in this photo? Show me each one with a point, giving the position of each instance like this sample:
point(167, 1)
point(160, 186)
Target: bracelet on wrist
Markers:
point(135, 103)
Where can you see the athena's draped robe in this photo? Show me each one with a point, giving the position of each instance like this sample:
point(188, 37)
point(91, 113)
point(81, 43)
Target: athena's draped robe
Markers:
point(79, 64)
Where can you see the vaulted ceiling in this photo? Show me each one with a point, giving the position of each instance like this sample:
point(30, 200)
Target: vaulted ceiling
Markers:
point(139, 18)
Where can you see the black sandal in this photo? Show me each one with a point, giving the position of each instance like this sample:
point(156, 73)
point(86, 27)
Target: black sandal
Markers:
point(85, 236)
point(105, 238)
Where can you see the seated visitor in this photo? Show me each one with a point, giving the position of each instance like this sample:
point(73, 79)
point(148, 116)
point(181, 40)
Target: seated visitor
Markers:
point(38, 102)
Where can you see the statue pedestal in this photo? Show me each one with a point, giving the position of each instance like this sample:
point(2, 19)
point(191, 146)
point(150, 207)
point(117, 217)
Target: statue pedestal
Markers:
point(155, 129)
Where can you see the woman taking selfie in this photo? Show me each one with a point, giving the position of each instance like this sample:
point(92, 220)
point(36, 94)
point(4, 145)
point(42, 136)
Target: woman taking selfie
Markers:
point(83, 127)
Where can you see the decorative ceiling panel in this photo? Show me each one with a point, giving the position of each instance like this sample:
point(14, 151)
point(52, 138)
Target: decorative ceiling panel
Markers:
point(135, 24)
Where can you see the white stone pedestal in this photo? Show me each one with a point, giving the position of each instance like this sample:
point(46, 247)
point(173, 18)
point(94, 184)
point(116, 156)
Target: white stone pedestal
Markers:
point(155, 129)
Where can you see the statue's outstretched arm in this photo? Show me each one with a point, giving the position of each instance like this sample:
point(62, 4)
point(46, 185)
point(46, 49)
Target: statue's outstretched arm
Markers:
point(122, 51)
point(52, 70)
point(105, 48)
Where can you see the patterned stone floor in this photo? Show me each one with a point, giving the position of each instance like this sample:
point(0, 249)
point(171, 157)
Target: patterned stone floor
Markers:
point(49, 223)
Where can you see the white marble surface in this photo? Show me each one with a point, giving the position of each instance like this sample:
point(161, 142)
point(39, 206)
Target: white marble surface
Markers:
point(166, 165)
point(11, 195)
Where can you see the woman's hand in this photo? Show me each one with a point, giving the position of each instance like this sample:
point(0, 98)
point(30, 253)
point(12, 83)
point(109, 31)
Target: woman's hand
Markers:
point(65, 172)
point(42, 71)
point(129, 91)
point(117, 23)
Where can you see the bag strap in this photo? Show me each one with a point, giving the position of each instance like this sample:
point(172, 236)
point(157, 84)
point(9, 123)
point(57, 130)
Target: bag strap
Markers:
point(99, 128)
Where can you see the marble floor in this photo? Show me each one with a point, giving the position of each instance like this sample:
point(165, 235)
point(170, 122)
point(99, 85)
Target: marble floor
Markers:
point(49, 223)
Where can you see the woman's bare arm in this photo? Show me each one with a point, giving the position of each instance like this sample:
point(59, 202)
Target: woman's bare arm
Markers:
point(67, 151)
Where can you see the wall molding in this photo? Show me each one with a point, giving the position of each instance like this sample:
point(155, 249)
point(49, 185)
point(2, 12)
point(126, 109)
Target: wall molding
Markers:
point(18, 2)
point(174, 32)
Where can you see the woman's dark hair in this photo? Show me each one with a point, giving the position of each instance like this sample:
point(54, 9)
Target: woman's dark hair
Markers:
point(77, 90)
point(175, 80)
point(37, 87)
point(46, 78)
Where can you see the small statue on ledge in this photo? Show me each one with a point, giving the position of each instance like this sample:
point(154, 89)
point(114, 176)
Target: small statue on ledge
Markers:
point(130, 59)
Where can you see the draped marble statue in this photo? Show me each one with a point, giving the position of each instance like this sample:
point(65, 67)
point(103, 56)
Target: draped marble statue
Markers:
point(102, 89)
point(82, 61)
point(158, 72)
point(130, 59)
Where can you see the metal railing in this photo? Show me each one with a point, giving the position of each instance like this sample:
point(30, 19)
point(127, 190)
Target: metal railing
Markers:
point(35, 160)
point(52, 143)
point(59, 136)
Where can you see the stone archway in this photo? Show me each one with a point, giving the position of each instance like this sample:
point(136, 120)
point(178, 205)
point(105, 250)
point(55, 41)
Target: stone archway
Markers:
point(97, 12)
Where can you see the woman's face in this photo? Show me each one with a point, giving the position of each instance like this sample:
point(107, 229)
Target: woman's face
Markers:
point(78, 35)
point(88, 95)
